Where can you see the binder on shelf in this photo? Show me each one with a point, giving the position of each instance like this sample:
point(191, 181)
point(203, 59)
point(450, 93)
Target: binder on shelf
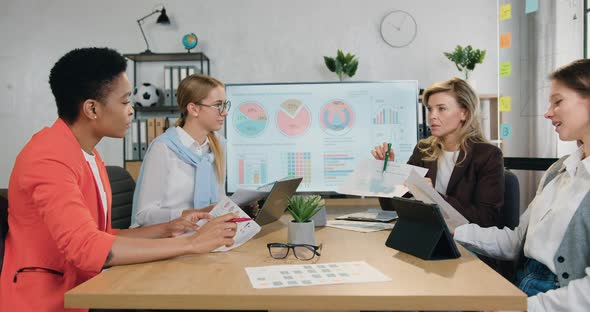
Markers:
point(431, 239)
point(168, 90)
point(129, 143)
point(151, 130)
point(142, 138)
point(135, 139)
point(159, 126)
point(175, 82)
point(183, 72)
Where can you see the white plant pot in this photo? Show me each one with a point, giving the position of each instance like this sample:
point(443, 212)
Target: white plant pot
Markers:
point(301, 233)
point(320, 218)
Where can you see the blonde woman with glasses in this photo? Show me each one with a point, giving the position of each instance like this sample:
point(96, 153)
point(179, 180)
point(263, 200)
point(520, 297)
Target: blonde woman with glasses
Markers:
point(188, 157)
point(462, 165)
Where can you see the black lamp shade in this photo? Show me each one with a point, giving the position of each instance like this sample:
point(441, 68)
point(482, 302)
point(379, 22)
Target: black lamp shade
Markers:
point(163, 18)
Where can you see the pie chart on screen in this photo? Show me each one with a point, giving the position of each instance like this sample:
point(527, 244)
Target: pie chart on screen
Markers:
point(293, 119)
point(250, 119)
point(336, 118)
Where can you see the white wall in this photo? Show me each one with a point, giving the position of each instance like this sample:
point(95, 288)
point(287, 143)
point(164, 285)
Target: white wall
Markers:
point(247, 41)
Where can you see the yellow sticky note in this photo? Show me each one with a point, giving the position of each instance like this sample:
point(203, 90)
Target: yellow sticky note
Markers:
point(505, 69)
point(505, 104)
point(505, 11)
point(505, 40)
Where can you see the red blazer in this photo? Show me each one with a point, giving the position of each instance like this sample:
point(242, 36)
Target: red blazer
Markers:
point(57, 237)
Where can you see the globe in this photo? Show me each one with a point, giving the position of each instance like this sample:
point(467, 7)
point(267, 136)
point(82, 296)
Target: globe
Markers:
point(190, 41)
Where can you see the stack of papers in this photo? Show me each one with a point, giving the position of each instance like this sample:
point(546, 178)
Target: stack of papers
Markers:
point(371, 215)
point(359, 226)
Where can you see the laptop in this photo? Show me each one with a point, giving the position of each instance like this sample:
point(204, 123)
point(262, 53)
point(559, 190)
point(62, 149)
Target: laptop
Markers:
point(276, 202)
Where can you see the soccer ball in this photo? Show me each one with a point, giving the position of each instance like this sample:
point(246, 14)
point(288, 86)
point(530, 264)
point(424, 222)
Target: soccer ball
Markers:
point(146, 95)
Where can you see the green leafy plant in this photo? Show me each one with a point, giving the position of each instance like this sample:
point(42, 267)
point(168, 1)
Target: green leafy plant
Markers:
point(342, 64)
point(466, 58)
point(302, 208)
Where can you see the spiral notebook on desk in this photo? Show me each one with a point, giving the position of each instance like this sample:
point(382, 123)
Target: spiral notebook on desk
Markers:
point(371, 215)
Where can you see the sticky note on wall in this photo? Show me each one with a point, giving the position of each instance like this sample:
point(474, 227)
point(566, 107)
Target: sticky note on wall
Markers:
point(505, 40)
point(505, 104)
point(531, 6)
point(505, 69)
point(505, 131)
point(505, 11)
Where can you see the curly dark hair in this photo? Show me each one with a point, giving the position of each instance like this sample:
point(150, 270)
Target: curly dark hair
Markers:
point(83, 74)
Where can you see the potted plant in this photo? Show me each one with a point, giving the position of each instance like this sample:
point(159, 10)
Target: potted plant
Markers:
point(466, 58)
point(301, 228)
point(342, 64)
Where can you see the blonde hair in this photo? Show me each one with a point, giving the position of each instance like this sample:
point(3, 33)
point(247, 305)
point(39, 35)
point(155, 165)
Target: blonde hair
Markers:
point(193, 89)
point(470, 129)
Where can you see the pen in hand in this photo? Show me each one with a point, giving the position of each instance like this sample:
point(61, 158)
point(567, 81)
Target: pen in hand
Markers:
point(386, 158)
point(240, 220)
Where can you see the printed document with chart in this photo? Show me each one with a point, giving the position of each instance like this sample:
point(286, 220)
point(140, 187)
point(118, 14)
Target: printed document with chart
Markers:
point(424, 192)
point(369, 179)
point(245, 230)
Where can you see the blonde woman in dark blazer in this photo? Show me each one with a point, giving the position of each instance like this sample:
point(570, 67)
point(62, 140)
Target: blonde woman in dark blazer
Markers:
point(462, 166)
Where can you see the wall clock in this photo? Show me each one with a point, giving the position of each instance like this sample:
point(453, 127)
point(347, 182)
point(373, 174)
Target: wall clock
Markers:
point(399, 29)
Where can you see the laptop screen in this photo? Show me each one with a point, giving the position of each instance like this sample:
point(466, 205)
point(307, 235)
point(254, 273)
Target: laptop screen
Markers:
point(276, 202)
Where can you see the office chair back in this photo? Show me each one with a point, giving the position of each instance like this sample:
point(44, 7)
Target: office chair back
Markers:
point(3, 223)
point(511, 209)
point(122, 186)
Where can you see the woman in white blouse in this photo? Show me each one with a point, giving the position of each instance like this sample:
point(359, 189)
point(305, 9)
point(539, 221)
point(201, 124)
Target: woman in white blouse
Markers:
point(552, 240)
point(184, 168)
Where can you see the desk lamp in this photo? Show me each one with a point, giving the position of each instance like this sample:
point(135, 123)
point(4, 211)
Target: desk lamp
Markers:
point(162, 19)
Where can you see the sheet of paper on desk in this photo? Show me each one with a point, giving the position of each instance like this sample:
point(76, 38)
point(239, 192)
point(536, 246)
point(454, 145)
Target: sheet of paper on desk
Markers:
point(368, 179)
point(278, 276)
point(359, 226)
point(422, 191)
point(246, 230)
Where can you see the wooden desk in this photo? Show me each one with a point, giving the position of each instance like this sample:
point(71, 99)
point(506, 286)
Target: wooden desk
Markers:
point(219, 281)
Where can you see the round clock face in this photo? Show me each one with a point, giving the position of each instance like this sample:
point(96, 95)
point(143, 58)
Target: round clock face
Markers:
point(399, 29)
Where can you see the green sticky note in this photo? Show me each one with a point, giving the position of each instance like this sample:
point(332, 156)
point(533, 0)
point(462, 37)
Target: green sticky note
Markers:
point(505, 69)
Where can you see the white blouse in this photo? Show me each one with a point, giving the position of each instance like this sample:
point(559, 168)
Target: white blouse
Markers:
point(167, 186)
point(445, 166)
point(91, 159)
point(547, 219)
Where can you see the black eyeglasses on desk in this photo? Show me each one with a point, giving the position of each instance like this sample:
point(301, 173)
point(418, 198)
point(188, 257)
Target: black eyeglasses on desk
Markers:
point(301, 251)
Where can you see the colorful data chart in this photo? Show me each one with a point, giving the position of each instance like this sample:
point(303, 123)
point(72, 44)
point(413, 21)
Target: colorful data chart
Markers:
point(386, 115)
point(337, 166)
point(252, 171)
point(336, 118)
point(294, 118)
point(250, 119)
point(298, 165)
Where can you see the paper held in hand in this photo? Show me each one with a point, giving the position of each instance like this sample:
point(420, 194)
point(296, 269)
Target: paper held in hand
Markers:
point(369, 179)
point(245, 230)
point(422, 191)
